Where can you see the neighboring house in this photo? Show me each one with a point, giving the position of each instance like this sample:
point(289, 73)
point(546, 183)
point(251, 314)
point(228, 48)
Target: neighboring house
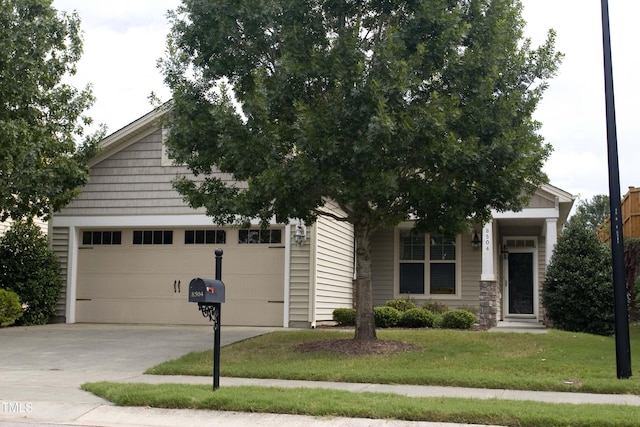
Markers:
point(4, 226)
point(129, 245)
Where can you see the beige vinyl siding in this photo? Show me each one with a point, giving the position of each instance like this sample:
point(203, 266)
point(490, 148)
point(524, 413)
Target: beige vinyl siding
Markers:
point(133, 182)
point(382, 245)
point(541, 272)
point(334, 265)
point(382, 260)
point(539, 201)
point(299, 280)
point(60, 245)
point(471, 262)
point(499, 270)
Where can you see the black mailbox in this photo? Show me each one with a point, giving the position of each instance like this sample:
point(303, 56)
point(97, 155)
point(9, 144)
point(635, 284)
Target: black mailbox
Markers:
point(206, 290)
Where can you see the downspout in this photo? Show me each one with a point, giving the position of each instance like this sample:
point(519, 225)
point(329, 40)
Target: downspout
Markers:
point(72, 274)
point(313, 274)
point(287, 276)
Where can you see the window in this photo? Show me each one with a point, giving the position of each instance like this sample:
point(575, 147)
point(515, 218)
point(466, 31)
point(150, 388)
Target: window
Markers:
point(201, 237)
point(101, 237)
point(427, 269)
point(442, 265)
point(259, 236)
point(153, 237)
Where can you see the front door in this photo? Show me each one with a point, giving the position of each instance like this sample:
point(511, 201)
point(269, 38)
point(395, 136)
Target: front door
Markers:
point(520, 295)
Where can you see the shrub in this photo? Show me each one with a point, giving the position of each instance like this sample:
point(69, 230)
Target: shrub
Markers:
point(577, 292)
point(458, 319)
point(345, 316)
point(30, 268)
point(416, 318)
point(473, 309)
point(10, 307)
point(436, 307)
point(386, 317)
point(402, 304)
point(437, 320)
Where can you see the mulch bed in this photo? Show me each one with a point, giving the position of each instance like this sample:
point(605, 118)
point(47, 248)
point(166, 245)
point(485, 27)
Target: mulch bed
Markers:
point(360, 347)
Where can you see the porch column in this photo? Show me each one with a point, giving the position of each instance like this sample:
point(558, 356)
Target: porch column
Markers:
point(551, 238)
point(488, 253)
point(489, 292)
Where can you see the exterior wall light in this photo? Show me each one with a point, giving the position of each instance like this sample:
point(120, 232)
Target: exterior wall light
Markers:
point(299, 235)
point(475, 242)
point(505, 252)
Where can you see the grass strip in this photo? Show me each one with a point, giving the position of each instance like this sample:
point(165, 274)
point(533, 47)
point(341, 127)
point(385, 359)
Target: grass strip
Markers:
point(336, 403)
point(556, 361)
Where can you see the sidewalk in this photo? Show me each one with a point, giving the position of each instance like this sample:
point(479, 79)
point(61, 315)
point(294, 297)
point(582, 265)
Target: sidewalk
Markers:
point(98, 412)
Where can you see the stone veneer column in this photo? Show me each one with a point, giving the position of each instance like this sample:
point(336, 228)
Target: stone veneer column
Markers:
point(489, 304)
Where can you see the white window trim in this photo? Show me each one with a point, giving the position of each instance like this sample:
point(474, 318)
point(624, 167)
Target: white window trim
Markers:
point(536, 280)
point(427, 284)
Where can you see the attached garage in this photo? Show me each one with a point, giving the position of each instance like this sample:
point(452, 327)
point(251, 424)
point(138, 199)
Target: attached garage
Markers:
point(139, 275)
point(129, 245)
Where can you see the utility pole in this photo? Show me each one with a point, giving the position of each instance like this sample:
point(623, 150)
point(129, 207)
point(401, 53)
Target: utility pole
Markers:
point(623, 350)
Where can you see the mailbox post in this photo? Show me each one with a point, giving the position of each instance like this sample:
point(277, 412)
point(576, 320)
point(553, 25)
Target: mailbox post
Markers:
point(209, 294)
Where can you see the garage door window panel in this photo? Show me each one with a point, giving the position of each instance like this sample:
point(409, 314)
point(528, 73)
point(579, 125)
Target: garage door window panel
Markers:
point(258, 236)
point(153, 237)
point(205, 237)
point(101, 237)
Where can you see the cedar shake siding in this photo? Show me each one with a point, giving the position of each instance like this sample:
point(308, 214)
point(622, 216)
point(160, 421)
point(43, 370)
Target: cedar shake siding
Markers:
point(133, 181)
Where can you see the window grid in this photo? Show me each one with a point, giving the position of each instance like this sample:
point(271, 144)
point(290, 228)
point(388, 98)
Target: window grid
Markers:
point(153, 237)
point(258, 236)
point(433, 272)
point(205, 237)
point(101, 237)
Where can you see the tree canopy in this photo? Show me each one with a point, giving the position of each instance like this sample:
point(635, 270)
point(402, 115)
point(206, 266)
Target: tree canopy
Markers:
point(594, 212)
point(393, 110)
point(40, 116)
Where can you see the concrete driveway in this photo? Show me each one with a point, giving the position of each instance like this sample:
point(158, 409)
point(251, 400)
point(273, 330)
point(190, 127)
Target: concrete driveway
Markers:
point(49, 363)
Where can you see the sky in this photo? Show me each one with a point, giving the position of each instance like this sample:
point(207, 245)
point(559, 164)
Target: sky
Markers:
point(123, 39)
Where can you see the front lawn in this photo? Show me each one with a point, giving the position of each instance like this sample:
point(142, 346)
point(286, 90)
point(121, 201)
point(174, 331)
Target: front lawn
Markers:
point(558, 361)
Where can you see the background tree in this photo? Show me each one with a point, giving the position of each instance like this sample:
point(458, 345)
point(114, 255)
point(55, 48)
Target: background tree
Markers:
point(30, 268)
point(594, 212)
point(40, 117)
point(578, 290)
point(391, 109)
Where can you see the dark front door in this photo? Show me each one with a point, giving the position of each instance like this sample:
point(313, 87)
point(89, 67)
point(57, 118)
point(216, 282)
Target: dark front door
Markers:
point(521, 283)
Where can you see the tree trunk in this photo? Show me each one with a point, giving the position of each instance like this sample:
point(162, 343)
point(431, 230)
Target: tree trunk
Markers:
point(365, 323)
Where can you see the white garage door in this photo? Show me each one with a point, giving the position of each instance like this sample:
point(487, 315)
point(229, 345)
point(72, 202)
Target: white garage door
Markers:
point(143, 275)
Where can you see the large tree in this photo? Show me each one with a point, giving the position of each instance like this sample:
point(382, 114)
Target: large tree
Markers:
point(40, 116)
point(392, 109)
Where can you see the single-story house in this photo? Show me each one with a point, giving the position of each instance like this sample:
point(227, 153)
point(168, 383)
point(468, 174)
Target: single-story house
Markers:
point(129, 246)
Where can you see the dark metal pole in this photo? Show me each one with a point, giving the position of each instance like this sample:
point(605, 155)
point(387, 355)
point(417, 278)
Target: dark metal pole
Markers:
point(623, 351)
point(216, 326)
point(216, 348)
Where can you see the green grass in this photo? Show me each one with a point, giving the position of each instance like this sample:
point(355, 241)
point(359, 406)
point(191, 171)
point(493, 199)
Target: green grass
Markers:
point(556, 361)
point(316, 402)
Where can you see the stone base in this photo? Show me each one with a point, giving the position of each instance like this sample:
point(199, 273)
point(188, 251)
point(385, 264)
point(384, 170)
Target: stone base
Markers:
point(490, 298)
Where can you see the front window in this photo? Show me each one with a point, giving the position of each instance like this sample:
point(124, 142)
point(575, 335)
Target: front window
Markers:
point(428, 264)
